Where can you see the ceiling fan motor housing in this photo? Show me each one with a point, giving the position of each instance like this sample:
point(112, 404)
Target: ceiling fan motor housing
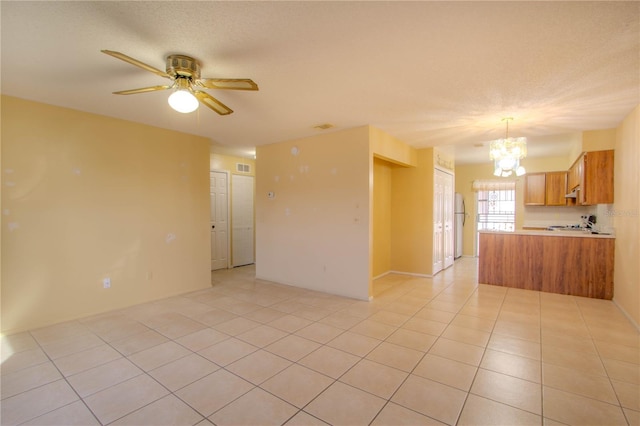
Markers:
point(183, 66)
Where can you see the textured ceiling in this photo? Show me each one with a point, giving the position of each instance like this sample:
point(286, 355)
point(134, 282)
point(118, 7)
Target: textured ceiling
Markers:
point(428, 73)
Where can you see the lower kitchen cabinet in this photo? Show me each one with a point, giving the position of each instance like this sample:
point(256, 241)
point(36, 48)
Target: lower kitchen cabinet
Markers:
point(579, 266)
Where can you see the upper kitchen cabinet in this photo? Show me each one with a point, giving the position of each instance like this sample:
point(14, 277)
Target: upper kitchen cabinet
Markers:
point(556, 189)
point(545, 189)
point(591, 178)
point(534, 189)
point(597, 178)
point(575, 175)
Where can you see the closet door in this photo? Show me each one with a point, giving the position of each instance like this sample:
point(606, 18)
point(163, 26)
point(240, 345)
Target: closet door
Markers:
point(242, 220)
point(219, 184)
point(443, 232)
point(438, 222)
point(448, 238)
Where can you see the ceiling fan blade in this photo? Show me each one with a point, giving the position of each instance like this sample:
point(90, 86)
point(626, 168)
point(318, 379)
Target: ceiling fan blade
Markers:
point(136, 62)
point(142, 90)
point(227, 83)
point(212, 103)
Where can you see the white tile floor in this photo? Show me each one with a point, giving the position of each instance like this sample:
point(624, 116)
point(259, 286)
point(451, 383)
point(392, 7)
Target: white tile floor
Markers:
point(248, 352)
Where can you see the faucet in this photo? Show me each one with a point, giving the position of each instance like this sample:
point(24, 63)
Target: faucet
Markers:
point(588, 222)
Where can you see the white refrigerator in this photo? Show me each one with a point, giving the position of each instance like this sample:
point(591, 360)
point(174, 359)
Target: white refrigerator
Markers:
point(459, 219)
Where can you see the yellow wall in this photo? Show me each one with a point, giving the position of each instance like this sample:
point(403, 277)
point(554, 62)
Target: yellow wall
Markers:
point(386, 154)
point(86, 197)
point(591, 140)
point(315, 232)
point(412, 216)
point(626, 216)
point(598, 140)
point(381, 217)
point(391, 149)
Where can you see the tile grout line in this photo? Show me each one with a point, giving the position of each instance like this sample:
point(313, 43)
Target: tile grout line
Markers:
point(422, 358)
point(504, 296)
point(626, 417)
point(65, 379)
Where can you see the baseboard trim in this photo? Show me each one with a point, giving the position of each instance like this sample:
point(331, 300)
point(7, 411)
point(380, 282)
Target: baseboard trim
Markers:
point(626, 314)
point(381, 275)
point(413, 274)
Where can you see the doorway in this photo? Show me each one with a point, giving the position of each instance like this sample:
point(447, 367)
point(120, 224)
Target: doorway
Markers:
point(219, 215)
point(496, 211)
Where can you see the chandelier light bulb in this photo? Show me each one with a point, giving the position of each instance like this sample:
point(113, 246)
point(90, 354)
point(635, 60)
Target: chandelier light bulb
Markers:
point(507, 153)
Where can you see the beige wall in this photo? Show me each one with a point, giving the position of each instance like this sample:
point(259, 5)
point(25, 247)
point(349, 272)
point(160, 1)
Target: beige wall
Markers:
point(86, 197)
point(329, 225)
point(315, 232)
point(626, 216)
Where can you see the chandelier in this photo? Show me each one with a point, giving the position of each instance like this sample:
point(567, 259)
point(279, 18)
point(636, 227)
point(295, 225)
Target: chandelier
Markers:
point(507, 153)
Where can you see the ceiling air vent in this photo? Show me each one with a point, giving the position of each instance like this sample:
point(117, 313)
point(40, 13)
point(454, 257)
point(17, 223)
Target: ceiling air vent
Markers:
point(324, 126)
point(243, 168)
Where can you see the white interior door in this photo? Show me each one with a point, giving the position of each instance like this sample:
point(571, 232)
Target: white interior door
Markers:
point(448, 218)
point(438, 222)
point(443, 233)
point(219, 184)
point(242, 220)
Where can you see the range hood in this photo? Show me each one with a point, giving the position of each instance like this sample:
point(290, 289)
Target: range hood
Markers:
point(573, 194)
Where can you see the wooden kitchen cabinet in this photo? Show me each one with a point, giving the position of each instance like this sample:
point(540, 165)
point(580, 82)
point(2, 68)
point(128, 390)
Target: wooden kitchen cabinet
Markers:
point(555, 189)
point(574, 178)
point(534, 189)
point(591, 176)
point(597, 178)
point(579, 266)
point(545, 189)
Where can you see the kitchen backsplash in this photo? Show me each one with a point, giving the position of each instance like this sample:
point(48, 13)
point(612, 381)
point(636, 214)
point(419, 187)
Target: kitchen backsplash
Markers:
point(543, 216)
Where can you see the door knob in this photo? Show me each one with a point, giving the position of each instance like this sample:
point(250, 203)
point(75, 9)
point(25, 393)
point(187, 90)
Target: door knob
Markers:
point(213, 226)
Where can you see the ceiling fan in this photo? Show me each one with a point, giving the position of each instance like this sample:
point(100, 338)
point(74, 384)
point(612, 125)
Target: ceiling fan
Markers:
point(184, 72)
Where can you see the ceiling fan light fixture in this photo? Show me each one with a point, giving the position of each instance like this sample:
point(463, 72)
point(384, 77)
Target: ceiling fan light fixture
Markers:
point(184, 72)
point(182, 100)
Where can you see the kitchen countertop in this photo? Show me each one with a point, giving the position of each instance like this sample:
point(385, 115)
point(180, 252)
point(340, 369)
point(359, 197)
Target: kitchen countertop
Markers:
point(545, 233)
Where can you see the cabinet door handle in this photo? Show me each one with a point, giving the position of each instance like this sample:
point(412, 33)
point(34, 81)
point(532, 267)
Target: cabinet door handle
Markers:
point(213, 226)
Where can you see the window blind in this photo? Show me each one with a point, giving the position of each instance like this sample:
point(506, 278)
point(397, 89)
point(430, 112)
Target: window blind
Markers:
point(494, 185)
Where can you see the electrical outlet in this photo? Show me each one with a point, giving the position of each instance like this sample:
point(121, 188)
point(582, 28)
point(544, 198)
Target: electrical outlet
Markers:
point(106, 282)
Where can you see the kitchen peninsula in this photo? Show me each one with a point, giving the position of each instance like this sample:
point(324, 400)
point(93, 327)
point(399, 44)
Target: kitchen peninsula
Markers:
point(566, 262)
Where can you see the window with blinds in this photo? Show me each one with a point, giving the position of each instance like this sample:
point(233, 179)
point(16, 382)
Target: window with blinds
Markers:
point(496, 204)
